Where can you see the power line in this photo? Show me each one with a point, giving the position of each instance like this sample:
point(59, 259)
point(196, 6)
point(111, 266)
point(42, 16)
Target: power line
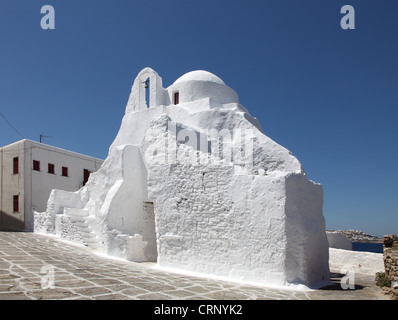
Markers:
point(11, 125)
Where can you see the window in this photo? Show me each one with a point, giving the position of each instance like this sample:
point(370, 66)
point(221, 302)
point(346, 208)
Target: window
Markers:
point(36, 165)
point(51, 168)
point(176, 97)
point(65, 171)
point(15, 168)
point(16, 204)
point(86, 175)
point(147, 93)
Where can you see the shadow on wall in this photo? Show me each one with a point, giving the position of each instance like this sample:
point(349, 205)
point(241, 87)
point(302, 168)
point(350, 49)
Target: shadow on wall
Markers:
point(9, 223)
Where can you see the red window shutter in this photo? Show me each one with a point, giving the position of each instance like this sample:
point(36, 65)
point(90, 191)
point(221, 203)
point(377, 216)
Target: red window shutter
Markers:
point(15, 165)
point(64, 171)
point(51, 168)
point(16, 204)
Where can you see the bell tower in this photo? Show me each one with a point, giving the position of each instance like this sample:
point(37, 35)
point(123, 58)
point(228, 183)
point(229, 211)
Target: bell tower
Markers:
point(147, 79)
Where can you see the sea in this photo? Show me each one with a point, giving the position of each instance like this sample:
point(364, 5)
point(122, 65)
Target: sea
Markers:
point(368, 246)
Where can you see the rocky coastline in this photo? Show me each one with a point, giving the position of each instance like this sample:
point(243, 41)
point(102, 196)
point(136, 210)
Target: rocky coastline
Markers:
point(359, 236)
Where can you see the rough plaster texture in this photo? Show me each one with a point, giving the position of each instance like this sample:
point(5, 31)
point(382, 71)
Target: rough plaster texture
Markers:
point(198, 187)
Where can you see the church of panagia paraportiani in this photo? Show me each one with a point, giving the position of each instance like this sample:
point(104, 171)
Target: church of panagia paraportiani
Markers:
point(191, 182)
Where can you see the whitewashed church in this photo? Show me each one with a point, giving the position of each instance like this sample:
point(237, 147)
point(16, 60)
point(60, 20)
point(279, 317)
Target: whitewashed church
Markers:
point(192, 182)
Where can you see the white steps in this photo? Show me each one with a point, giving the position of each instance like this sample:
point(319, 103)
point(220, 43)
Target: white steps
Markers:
point(78, 220)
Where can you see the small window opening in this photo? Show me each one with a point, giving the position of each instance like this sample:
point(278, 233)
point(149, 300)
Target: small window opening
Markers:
point(65, 171)
point(176, 98)
point(15, 168)
point(36, 165)
point(51, 168)
point(16, 204)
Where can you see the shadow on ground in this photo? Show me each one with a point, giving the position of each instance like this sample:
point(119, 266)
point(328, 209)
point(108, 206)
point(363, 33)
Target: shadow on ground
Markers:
point(337, 283)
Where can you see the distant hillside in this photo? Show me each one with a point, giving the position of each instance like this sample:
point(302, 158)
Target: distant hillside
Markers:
point(359, 236)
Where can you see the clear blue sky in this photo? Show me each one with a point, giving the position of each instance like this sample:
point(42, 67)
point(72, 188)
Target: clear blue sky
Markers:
point(328, 95)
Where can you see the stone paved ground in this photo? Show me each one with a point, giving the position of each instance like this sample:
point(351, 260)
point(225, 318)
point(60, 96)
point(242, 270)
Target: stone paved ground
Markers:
point(27, 259)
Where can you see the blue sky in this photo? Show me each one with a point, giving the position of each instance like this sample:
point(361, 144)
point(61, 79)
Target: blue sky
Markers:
point(328, 95)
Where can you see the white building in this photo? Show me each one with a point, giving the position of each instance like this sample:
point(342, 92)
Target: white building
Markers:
point(192, 182)
point(29, 171)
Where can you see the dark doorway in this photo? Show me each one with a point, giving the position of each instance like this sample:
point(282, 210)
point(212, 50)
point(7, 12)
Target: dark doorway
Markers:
point(86, 175)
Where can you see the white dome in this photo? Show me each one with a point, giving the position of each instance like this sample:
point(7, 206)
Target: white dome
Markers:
point(199, 75)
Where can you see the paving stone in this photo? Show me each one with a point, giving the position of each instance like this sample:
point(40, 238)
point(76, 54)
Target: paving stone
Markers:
point(14, 296)
point(133, 291)
point(72, 283)
point(180, 294)
point(113, 296)
point(92, 291)
point(82, 274)
point(6, 287)
point(154, 287)
point(52, 294)
point(197, 289)
point(154, 296)
point(106, 281)
point(29, 285)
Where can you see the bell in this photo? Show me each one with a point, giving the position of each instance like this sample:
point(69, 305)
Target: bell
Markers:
point(146, 84)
